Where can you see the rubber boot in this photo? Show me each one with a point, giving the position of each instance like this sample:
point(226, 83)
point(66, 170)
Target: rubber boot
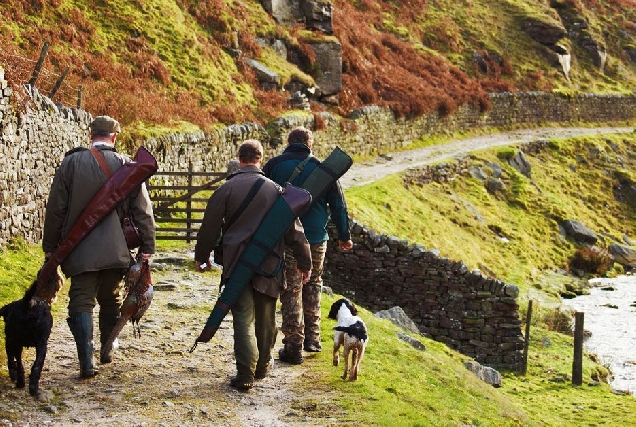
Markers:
point(81, 325)
point(107, 323)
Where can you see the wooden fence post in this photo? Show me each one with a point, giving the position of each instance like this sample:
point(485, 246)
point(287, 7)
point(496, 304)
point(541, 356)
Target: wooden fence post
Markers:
point(189, 202)
point(38, 65)
point(577, 363)
point(79, 98)
point(526, 343)
point(58, 83)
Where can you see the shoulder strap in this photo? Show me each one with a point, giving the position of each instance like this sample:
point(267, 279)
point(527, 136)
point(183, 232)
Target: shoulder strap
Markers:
point(101, 161)
point(299, 168)
point(246, 201)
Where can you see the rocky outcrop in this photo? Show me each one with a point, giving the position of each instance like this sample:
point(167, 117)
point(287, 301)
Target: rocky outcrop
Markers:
point(623, 255)
point(316, 14)
point(581, 32)
point(328, 76)
point(577, 231)
point(521, 164)
point(399, 318)
point(484, 373)
point(546, 31)
point(268, 79)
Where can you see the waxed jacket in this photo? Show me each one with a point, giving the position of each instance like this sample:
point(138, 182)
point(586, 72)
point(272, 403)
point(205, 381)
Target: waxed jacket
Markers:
point(331, 206)
point(222, 205)
point(75, 182)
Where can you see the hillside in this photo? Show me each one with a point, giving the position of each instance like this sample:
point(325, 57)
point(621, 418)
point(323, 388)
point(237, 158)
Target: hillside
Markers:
point(514, 231)
point(180, 64)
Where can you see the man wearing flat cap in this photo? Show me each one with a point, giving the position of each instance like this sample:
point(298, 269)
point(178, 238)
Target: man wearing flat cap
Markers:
point(98, 263)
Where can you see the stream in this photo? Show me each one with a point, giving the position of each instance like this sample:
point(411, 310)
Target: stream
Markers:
point(610, 315)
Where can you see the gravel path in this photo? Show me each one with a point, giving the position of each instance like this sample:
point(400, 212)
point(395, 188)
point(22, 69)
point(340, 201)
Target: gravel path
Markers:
point(154, 380)
point(367, 172)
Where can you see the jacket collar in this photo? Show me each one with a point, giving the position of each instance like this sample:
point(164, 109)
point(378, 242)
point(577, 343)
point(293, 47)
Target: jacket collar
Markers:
point(246, 169)
point(298, 148)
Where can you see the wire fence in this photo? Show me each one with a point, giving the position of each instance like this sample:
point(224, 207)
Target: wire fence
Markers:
point(20, 70)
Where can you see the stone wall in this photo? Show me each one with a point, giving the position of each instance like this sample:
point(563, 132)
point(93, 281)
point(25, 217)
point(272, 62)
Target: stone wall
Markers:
point(34, 141)
point(474, 314)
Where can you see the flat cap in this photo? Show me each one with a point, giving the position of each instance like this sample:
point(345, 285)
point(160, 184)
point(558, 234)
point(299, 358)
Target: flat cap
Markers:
point(105, 124)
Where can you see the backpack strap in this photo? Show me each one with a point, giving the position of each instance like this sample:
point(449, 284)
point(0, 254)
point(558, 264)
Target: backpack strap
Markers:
point(299, 168)
point(246, 201)
point(103, 165)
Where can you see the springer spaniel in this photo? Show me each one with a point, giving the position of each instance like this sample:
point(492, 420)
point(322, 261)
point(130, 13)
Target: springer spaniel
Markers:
point(351, 333)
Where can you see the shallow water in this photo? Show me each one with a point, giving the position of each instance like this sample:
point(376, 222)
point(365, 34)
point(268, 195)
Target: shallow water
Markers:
point(610, 315)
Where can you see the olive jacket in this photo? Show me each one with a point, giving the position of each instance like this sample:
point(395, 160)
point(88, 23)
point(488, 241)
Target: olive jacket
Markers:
point(75, 183)
point(221, 207)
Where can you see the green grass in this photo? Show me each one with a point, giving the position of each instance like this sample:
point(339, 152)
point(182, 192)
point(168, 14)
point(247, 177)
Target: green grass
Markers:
point(19, 264)
point(399, 385)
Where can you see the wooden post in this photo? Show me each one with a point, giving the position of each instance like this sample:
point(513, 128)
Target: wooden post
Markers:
point(38, 65)
point(577, 363)
point(526, 343)
point(79, 97)
point(58, 83)
point(189, 202)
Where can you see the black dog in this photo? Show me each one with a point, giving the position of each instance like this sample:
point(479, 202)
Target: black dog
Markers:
point(28, 323)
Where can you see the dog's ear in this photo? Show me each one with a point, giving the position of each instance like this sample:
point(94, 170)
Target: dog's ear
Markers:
point(353, 308)
point(333, 311)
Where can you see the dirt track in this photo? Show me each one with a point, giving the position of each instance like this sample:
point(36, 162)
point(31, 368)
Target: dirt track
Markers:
point(154, 380)
point(391, 163)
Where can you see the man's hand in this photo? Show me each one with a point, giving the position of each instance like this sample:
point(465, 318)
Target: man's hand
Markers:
point(145, 257)
point(304, 276)
point(345, 246)
point(202, 267)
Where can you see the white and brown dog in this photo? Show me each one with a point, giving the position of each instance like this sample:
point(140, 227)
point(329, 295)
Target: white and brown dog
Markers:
point(351, 333)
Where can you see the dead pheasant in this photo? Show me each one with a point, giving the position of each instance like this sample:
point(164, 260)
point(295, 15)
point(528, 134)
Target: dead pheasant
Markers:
point(139, 292)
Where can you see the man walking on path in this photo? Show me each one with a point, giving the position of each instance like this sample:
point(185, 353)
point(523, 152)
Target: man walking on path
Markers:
point(235, 211)
point(301, 303)
point(98, 264)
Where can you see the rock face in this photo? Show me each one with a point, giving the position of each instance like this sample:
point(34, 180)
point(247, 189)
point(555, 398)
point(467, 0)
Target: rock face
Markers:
point(329, 59)
point(579, 31)
point(623, 255)
point(316, 14)
point(284, 11)
point(547, 32)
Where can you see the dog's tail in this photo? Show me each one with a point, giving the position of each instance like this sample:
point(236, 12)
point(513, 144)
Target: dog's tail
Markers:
point(30, 293)
point(357, 330)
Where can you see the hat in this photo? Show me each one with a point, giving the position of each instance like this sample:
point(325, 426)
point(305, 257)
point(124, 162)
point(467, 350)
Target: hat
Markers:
point(105, 124)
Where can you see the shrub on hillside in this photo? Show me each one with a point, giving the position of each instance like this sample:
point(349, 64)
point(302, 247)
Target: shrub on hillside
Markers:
point(592, 260)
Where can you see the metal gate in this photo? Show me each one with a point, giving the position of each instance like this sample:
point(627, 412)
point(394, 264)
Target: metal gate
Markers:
point(178, 213)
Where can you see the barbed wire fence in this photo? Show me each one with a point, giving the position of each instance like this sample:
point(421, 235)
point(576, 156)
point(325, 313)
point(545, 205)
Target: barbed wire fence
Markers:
point(20, 70)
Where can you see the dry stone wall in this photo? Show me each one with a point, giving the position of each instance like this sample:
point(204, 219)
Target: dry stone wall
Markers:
point(472, 313)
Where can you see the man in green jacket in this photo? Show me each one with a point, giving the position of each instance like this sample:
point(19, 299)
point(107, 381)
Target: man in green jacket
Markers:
point(301, 304)
point(235, 210)
point(98, 263)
